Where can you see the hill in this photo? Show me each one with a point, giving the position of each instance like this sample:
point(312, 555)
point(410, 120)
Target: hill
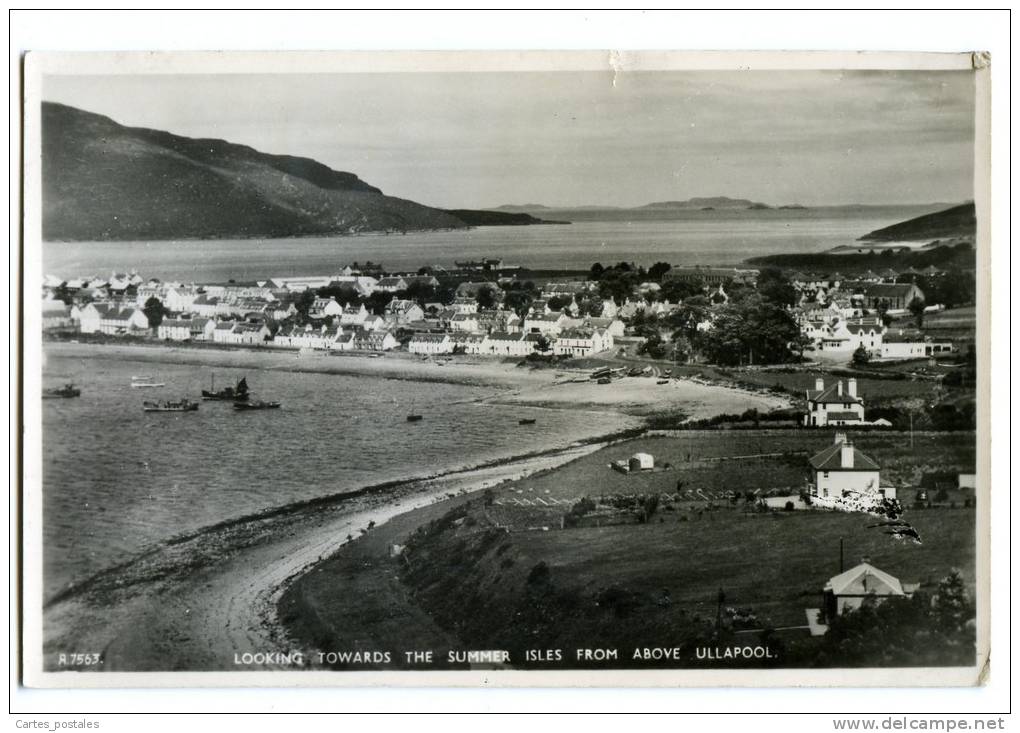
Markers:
point(479, 218)
point(958, 221)
point(104, 181)
point(709, 202)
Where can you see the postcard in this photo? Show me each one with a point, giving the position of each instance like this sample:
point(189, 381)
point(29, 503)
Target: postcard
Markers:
point(505, 369)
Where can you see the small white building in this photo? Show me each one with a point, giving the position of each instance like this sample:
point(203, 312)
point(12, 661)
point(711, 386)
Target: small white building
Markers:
point(579, 342)
point(863, 583)
point(325, 308)
point(641, 462)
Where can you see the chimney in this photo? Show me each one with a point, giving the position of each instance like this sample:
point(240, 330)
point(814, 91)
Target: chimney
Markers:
point(819, 384)
point(851, 387)
point(839, 387)
point(846, 455)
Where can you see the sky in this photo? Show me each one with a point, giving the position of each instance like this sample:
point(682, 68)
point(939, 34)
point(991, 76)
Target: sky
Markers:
point(477, 140)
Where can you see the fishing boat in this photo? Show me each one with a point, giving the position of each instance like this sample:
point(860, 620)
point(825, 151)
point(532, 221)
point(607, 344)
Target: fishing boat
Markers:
point(182, 405)
point(68, 390)
point(414, 418)
point(526, 421)
point(604, 380)
point(236, 393)
point(256, 405)
point(663, 381)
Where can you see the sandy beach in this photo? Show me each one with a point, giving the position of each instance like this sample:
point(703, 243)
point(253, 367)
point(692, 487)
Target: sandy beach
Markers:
point(546, 387)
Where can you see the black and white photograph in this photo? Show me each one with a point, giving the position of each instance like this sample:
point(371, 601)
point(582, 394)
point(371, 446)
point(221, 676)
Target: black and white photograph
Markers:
point(531, 368)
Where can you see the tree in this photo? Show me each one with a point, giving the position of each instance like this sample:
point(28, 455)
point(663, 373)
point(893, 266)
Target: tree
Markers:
point(154, 311)
point(751, 331)
point(589, 305)
point(304, 302)
point(543, 345)
point(656, 271)
point(861, 357)
point(559, 302)
point(916, 308)
point(676, 290)
point(775, 287)
point(519, 301)
point(653, 346)
point(618, 282)
point(486, 297)
point(596, 271)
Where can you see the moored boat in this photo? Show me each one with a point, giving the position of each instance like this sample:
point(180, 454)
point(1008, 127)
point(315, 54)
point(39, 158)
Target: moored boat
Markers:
point(236, 393)
point(256, 405)
point(68, 390)
point(414, 418)
point(182, 405)
point(526, 421)
point(145, 383)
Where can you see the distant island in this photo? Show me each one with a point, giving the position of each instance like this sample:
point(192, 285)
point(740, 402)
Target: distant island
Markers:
point(707, 203)
point(958, 221)
point(103, 181)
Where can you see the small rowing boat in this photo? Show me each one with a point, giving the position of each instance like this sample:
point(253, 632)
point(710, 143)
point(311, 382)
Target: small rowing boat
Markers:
point(414, 418)
point(68, 390)
point(183, 405)
point(256, 405)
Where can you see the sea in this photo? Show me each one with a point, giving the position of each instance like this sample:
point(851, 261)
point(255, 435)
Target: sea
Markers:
point(720, 237)
point(118, 480)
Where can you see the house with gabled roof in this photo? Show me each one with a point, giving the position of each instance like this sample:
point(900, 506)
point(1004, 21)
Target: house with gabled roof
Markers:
point(837, 404)
point(549, 324)
point(400, 311)
point(861, 584)
point(842, 470)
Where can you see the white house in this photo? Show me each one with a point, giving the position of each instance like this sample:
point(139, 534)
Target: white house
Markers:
point(403, 311)
point(837, 404)
point(464, 305)
point(613, 326)
point(430, 343)
point(501, 343)
point(352, 316)
point(850, 589)
point(391, 284)
point(582, 342)
point(842, 471)
point(465, 322)
point(469, 343)
point(222, 332)
point(910, 345)
point(174, 329)
point(325, 308)
point(112, 320)
point(375, 340)
point(550, 324)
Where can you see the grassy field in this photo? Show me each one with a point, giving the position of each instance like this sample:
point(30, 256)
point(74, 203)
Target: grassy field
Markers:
point(657, 584)
point(901, 464)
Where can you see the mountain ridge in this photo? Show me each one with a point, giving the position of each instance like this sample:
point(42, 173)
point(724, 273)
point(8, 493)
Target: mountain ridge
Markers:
point(106, 181)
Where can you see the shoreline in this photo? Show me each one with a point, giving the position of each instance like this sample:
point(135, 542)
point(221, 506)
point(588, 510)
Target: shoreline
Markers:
point(193, 601)
point(552, 387)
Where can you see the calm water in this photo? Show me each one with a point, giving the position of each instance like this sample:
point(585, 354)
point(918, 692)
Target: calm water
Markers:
point(117, 479)
point(689, 238)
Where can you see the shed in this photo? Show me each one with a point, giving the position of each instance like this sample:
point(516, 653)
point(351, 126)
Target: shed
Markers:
point(641, 462)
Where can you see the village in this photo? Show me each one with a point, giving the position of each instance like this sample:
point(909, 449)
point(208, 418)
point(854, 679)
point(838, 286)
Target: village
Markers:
point(485, 308)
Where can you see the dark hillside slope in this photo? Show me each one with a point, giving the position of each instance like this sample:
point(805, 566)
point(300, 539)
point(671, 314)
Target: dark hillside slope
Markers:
point(104, 181)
